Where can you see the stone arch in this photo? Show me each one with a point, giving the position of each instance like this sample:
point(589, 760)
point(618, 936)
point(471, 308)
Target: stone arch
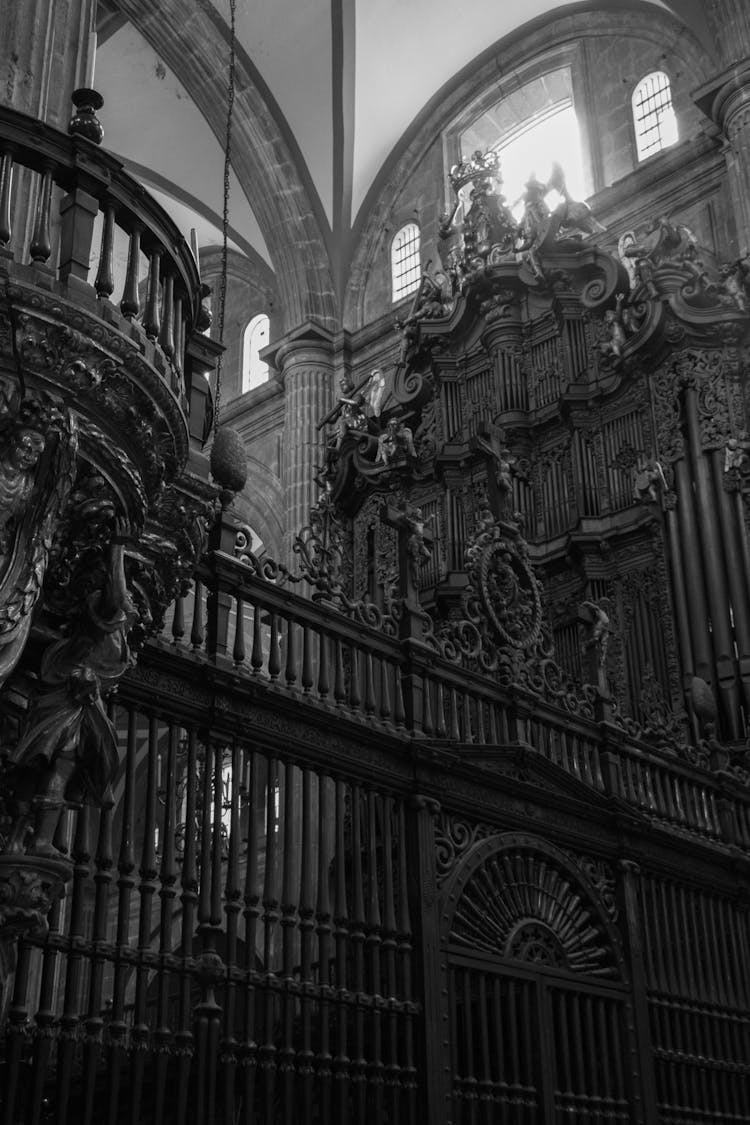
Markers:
point(510, 55)
point(192, 40)
point(520, 898)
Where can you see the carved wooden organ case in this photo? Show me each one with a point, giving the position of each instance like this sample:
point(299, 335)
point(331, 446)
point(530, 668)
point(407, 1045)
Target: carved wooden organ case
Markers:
point(597, 404)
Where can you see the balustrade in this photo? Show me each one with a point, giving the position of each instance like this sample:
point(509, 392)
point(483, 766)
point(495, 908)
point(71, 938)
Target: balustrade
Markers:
point(286, 643)
point(108, 245)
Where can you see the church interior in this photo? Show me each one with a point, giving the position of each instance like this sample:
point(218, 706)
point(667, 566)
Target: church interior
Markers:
point(374, 559)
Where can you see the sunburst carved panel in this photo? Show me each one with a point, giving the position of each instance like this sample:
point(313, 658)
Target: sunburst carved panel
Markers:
point(522, 904)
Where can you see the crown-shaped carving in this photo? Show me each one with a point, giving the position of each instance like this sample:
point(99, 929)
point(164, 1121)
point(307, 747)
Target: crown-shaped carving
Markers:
point(481, 165)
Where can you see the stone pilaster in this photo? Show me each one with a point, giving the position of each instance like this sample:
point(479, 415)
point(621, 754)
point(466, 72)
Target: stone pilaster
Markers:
point(729, 24)
point(726, 100)
point(305, 360)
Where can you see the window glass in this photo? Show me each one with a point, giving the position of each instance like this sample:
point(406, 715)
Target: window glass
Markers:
point(406, 268)
point(254, 370)
point(653, 116)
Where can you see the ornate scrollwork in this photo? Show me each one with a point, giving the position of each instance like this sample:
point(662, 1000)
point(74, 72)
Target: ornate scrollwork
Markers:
point(37, 469)
point(503, 589)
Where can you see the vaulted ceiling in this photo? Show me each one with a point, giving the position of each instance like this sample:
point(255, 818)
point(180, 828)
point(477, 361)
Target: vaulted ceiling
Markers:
point(328, 94)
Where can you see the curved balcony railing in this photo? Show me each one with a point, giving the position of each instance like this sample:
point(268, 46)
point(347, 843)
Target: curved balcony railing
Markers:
point(77, 217)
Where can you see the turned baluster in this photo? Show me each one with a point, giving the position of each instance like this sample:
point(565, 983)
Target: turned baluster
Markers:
point(441, 730)
point(130, 305)
point(355, 694)
point(455, 728)
point(373, 950)
point(6, 194)
point(468, 732)
point(399, 710)
point(167, 875)
point(256, 655)
point(251, 913)
point(369, 685)
point(290, 670)
point(178, 620)
point(232, 908)
point(288, 922)
point(274, 655)
point(41, 244)
point(166, 336)
point(494, 735)
point(197, 633)
point(427, 721)
point(404, 950)
point(324, 682)
point(481, 736)
point(151, 320)
point(341, 1067)
point(357, 937)
point(104, 283)
point(238, 651)
point(385, 690)
point(339, 689)
point(324, 928)
point(307, 667)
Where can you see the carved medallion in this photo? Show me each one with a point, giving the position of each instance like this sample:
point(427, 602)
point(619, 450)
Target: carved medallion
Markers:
point(506, 593)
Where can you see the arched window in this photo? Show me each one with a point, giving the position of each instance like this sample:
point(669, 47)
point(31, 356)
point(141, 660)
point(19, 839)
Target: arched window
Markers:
point(406, 269)
point(653, 116)
point(254, 370)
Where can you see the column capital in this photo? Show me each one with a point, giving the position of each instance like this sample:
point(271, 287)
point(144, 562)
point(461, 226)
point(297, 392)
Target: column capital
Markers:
point(308, 343)
point(726, 94)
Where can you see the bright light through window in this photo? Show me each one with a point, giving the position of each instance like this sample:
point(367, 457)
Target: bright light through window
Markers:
point(254, 370)
point(653, 115)
point(554, 138)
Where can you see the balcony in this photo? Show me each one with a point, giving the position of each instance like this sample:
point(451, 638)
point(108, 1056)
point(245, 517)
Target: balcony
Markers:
point(102, 293)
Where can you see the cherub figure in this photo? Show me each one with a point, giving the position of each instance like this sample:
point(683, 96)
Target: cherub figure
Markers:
point(417, 549)
point(395, 443)
point(732, 286)
point(650, 483)
point(351, 419)
point(69, 741)
point(18, 463)
point(574, 217)
point(596, 617)
point(736, 452)
point(375, 391)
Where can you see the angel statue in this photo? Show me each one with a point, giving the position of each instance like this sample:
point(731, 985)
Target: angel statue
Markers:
point(69, 744)
point(19, 459)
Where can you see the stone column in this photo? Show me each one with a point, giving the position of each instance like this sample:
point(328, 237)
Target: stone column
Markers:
point(44, 56)
point(45, 50)
point(726, 100)
point(306, 362)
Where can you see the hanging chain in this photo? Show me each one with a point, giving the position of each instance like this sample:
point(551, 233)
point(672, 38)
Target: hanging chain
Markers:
point(225, 214)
